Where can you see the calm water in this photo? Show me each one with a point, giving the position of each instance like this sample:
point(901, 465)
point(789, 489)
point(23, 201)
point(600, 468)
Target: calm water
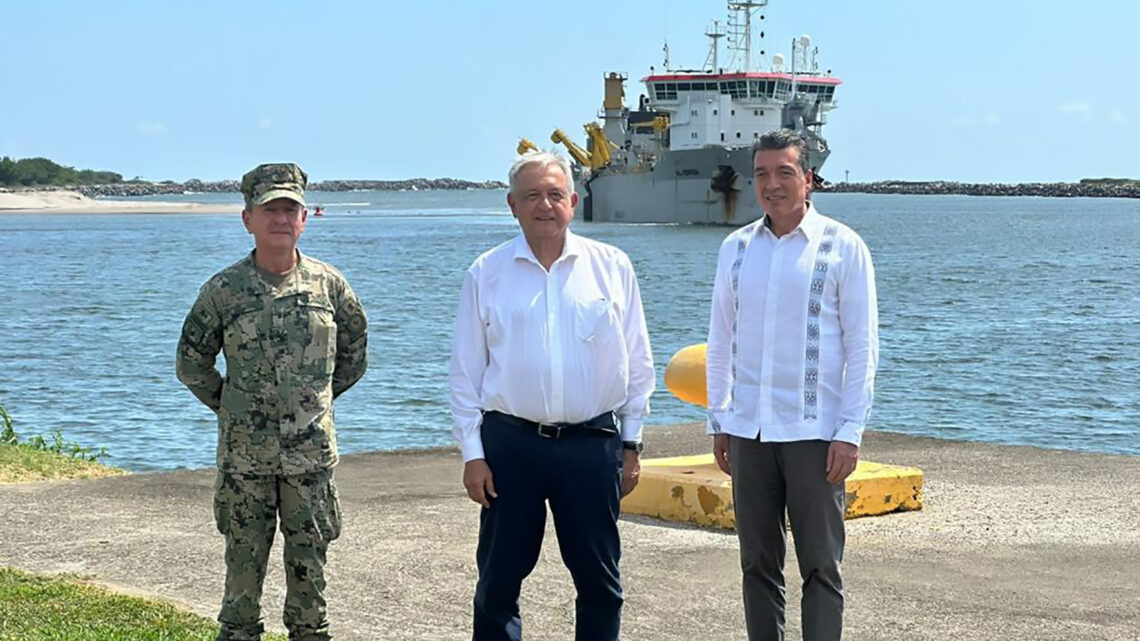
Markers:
point(1012, 320)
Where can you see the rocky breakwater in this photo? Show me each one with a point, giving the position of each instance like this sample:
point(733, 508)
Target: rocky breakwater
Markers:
point(1088, 188)
point(413, 184)
point(128, 189)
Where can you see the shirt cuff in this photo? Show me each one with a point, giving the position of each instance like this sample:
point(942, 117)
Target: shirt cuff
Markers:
point(712, 426)
point(850, 432)
point(631, 429)
point(472, 446)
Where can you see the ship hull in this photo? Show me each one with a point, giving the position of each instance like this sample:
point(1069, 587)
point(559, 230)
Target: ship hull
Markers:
point(713, 185)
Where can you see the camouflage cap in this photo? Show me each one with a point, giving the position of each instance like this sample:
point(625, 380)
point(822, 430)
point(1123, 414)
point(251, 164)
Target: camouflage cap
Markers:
point(266, 182)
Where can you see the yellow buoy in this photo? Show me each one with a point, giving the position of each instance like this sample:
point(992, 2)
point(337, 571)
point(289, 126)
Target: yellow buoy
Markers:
point(685, 375)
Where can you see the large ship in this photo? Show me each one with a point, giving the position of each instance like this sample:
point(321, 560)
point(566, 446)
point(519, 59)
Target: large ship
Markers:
point(684, 154)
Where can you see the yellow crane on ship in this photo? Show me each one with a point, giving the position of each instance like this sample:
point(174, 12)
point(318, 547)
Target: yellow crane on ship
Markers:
point(595, 159)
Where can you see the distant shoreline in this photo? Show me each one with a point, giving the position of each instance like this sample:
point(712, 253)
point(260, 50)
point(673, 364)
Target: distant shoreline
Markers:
point(133, 189)
point(70, 202)
point(96, 199)
point(100, 199)
point(1085, 189)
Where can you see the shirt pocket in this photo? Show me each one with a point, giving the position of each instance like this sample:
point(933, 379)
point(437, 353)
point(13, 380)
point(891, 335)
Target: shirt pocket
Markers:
point(494, 327)
point(242, 339)
point(315, 327)
point(595, 321)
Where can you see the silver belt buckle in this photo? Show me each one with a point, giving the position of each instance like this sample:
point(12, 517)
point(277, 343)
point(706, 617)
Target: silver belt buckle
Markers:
point(557, 430)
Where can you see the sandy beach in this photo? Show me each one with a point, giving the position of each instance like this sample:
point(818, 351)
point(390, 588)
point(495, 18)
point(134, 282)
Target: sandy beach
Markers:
point(1013, 543)
point(70, 202)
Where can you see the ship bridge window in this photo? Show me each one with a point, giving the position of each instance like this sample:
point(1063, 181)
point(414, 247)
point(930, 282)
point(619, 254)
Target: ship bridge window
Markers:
point(683, 86)
point(783, 88)
point(762, 88)
point(735, 88)
point(665, 91)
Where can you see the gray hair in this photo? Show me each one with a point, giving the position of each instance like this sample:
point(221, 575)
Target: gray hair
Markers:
point(779, 139)
point(543, 159)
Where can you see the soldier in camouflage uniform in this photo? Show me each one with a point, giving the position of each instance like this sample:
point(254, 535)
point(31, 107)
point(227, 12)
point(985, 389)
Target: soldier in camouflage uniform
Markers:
point(294, 337)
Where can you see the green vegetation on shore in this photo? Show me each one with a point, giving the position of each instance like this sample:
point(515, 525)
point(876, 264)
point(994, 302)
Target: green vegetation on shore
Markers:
point(47, 459)
point(37, 608)
point(41, 172)
point(1114, 182)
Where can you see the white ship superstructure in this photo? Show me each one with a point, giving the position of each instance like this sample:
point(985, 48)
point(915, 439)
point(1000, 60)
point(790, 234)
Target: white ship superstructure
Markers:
point(684, 154)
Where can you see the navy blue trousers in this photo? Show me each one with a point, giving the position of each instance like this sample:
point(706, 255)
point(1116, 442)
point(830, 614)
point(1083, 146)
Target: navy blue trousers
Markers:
point(580, 477)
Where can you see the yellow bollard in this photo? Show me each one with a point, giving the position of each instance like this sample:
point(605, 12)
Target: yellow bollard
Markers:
point(685, 375)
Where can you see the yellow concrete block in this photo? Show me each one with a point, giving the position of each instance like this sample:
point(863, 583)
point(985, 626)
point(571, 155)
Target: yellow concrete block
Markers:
point(692, 489)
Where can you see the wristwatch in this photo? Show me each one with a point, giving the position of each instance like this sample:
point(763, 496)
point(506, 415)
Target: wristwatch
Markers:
point(636, 446)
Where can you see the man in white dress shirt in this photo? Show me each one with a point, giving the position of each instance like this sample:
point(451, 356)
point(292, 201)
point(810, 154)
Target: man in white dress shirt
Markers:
point(792, 352)
point(550, 344)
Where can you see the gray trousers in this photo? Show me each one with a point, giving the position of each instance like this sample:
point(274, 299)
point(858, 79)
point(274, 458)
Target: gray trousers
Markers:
point(767, 479)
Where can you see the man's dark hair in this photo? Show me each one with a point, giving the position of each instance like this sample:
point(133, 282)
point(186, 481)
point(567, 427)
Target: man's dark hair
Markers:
point(778, 139)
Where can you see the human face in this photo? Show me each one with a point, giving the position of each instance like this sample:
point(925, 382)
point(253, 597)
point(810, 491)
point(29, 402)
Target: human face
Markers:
point(542, 203)
point(276, 225)
point(782, 186)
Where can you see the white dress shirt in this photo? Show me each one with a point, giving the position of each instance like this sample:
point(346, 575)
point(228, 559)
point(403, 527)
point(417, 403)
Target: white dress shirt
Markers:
point(561, 346)
point(793, 334)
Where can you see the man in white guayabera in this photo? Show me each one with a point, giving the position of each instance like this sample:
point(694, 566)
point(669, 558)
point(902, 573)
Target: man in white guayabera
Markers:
point(550, 344)
point(792, 352)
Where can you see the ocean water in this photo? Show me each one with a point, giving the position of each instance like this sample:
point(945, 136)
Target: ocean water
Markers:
point(1011, 320)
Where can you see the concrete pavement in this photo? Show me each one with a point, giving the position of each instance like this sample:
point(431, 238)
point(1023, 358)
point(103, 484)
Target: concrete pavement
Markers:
point(1013, 543)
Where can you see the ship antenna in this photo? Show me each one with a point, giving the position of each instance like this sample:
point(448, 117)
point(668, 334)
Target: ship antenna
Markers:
point(666, 49)
point(714, 35)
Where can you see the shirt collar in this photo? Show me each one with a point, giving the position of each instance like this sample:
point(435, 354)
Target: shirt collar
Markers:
point(572, 247)
point(811, 225)
point(302, 263)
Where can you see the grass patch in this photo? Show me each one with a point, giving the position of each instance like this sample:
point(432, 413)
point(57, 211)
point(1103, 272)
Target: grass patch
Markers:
point(37, 608)
point(47, 459)
point(20, 464)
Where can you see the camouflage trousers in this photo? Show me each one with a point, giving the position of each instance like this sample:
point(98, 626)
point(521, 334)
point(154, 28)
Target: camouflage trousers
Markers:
point(246, 509)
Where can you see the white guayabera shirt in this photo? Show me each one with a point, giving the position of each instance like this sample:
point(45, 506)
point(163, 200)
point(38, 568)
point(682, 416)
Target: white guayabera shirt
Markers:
point(793, 334)
point(561, 346)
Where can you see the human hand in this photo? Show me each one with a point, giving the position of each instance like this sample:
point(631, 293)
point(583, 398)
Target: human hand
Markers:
point(479, 481)
point(630, 471)
point(841, 461)
point(720, 452)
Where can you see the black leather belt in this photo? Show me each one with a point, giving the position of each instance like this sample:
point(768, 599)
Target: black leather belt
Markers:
point(600, 425)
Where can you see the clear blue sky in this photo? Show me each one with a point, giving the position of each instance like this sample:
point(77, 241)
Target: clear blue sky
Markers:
point(970, 90)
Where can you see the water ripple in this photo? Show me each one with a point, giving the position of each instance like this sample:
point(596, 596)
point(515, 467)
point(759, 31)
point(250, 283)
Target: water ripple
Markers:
point(997, 323)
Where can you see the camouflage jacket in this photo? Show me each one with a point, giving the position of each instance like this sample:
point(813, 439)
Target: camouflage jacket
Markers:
point(289, 351)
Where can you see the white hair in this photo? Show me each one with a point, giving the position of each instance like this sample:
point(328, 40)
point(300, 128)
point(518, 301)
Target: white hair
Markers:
point(543, 159)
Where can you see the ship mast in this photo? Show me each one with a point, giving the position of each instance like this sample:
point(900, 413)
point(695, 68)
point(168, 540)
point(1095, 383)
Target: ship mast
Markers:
point(742, 32)
point(713, 34)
